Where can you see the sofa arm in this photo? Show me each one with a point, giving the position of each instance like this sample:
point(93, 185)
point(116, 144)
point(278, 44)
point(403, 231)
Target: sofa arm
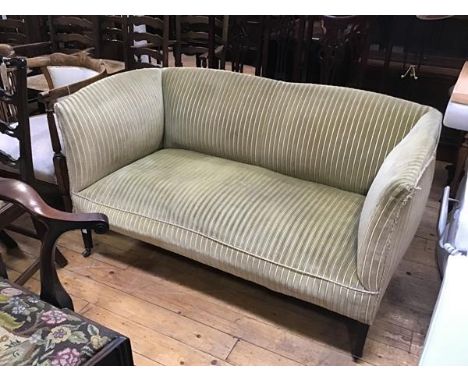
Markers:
point(395, 203)
point(111, 123)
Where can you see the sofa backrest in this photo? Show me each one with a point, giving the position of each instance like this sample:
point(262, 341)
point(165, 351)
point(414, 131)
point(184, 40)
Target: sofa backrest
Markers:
point(110, 124)
point(330, 135)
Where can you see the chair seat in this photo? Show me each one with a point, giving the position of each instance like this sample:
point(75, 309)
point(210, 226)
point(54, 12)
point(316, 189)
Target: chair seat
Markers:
point(33, 332)
point(41, 146)
point(67, 75)
point(290, 235)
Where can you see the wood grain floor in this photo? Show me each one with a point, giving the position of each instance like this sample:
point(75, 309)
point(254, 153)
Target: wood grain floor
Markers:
point(178, 312)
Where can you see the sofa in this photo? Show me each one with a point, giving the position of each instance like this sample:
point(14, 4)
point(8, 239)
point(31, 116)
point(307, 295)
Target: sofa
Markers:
point(312, 191)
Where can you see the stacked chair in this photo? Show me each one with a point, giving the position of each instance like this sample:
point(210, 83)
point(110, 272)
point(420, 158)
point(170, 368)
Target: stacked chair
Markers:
point(30, 146)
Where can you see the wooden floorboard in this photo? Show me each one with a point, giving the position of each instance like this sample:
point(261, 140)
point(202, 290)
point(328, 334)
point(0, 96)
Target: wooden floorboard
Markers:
point(178, 312)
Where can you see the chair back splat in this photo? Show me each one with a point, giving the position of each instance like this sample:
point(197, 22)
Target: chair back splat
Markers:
point(14, 117)
point(146, 41)
point(71, 34)
point(204, 37)
point(343, 50)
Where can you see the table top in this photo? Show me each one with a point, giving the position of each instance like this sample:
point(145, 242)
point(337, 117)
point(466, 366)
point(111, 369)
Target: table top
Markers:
point(39, 82)
point(460, 90)
point(456, 114)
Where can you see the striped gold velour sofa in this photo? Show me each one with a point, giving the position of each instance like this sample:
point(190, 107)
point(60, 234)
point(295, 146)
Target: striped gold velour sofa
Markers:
point(313, 191)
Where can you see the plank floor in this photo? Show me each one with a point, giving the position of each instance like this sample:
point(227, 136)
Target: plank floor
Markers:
point(179, 312)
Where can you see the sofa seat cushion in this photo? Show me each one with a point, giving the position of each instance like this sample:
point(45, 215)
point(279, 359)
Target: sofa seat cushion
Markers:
point(33, 332)
point(290, 235)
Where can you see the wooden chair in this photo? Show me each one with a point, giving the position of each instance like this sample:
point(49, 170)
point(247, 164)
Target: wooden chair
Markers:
point(204, 37)
point(30, 147)
point(36, 144)
point(146, 41)
point(26, 34)
point(111, 34)
point(71, 34)
point(245, 42)
point(17, 198)
point(343, 50)
point(283, 47)
point(14, 30)
point(8, 214)
point(14, 125)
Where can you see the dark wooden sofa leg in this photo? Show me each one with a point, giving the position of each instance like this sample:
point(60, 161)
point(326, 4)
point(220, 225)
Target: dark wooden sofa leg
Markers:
point(358, 334)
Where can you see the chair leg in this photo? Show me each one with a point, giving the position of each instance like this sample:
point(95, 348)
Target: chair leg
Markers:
point(9, 242)
point(60, 260)
point(358, 334)
point(28, 273)
point(87, 241)
point(3, 271)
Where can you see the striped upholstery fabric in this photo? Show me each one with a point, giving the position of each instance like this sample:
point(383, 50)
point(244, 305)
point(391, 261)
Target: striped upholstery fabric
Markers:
point(313, 191)
point(325, 134)
point(116, 120)
point(396, 201)
point(290, 235)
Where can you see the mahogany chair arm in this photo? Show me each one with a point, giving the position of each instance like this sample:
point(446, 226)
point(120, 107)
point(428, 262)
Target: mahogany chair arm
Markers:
point(56, 223)
point(20, 193)
point(38, 61)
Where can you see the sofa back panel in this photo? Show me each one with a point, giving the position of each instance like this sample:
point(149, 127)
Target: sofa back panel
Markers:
point(110, 124)
point(330, 135)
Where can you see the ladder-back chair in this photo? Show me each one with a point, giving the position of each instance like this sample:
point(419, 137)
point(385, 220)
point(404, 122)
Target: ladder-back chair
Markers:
point(146, 41)
point(204, 37)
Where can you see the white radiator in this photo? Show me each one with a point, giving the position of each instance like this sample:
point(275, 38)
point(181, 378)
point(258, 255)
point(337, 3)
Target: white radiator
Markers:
point(447, 339)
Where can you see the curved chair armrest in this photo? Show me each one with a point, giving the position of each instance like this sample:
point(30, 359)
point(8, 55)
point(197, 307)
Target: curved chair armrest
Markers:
point(80, 58)
point(56, 223)
point(51, 95)
point(20, 193)
point(395, 203)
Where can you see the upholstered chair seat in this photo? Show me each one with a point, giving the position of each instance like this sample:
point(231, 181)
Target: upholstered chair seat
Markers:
point(67, 75)
point(41, 147)
point(33, 332)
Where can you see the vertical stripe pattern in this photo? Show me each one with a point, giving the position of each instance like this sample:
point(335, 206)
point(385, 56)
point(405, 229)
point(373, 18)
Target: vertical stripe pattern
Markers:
point(330, 135)
point(290, 235)
point(395, 202)
point(313, 191)
point(111, 123)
